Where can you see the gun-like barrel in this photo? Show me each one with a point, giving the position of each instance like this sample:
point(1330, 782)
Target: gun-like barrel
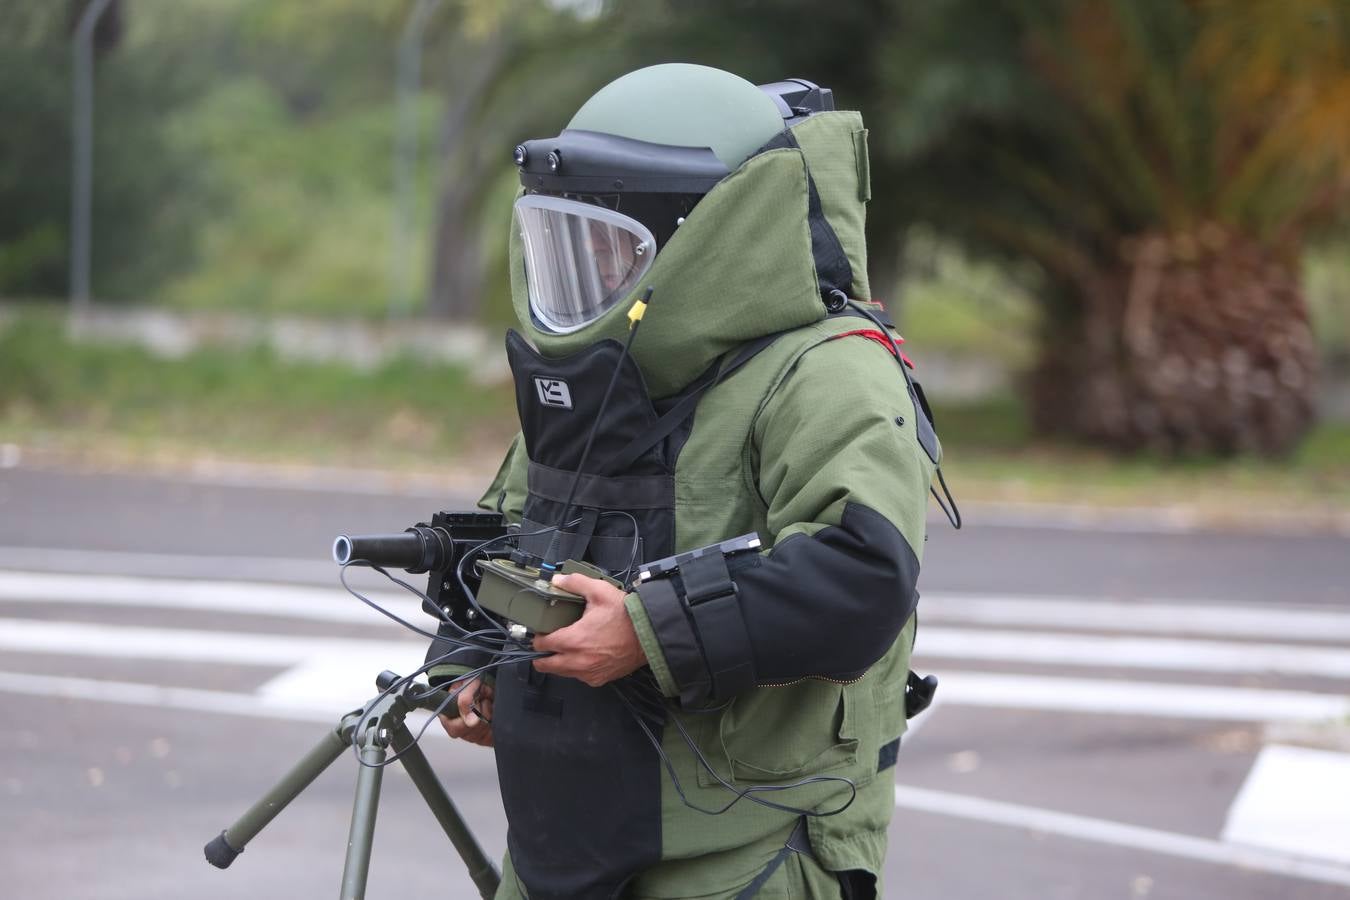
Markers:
point(419, 549)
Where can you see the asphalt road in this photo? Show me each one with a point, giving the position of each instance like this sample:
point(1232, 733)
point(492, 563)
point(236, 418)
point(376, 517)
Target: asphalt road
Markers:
point(1123, 713)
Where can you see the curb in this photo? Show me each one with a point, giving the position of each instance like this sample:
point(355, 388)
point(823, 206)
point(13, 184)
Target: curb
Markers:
point(467, 479)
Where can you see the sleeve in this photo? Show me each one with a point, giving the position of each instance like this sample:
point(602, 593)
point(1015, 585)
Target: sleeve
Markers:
point(845, 489)
point(506, 495)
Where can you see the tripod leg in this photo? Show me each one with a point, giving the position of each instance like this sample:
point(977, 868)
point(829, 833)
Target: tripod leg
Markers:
point(230, 843)
point(367, 803)
point(481, 870)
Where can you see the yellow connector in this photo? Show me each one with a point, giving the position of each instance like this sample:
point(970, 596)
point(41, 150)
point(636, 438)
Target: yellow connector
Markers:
point(636, 313)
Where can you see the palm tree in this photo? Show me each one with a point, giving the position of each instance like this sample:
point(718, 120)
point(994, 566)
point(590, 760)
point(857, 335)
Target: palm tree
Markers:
point(1162, 161)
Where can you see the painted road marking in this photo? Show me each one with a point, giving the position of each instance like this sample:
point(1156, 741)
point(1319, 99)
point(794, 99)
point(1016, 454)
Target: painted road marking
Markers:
point(1152, 616)
point(330, 683)
point(128, 642)
point(346, 664)
point(1141, 698)
point(335, 605)
point(971, 808)
point(260, 568)
point(1178, 654)
point(249, 598)
point(135, 694)
point(1295, 800)
point(1101, 831)
point(1118, 834)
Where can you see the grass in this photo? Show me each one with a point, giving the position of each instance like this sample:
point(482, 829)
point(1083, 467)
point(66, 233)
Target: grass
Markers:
point(251, 405)
point(992, 453)
point(119, 401)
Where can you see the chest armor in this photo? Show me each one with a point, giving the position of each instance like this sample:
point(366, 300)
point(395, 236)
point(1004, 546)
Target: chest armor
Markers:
point(580, 781)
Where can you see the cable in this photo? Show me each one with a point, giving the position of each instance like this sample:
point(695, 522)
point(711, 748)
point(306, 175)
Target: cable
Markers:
point(739, 794)
point(501, 656)
point(464, 680)
point(464, 585)
point(634, 322)
point(629, 572)
point(953, 514)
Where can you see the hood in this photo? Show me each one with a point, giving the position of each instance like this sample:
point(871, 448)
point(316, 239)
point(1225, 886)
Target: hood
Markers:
point(750, 259)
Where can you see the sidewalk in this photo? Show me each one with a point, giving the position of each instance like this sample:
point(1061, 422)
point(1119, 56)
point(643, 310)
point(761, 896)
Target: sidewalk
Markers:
point(981, 503)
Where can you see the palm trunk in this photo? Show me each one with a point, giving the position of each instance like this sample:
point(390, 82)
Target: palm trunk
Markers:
point(1194, 343)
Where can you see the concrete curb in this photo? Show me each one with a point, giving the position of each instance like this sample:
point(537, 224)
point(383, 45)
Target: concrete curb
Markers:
point(461, 478)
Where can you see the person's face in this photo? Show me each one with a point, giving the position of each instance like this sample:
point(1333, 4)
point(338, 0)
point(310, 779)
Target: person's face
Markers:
point(614, 251)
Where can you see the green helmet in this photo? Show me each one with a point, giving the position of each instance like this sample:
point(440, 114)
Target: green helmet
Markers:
point(684, 105)
point(605, 195)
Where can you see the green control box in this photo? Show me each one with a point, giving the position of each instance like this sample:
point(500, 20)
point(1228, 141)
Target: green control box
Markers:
point(522, 595)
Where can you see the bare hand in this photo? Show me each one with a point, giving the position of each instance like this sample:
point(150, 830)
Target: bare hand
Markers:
point(601, 646)
point(474, 723)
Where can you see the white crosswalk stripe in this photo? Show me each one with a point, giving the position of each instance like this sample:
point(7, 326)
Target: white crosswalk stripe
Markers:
point(1287, 662)
point(955, 629)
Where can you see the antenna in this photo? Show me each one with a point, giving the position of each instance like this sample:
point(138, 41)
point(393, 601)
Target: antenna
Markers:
point(635, 315)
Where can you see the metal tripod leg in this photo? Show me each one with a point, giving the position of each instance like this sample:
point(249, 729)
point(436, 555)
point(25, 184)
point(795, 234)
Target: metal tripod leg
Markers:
point(484, 874)
point(230, 843)
point(371, 729)
point(372, 741)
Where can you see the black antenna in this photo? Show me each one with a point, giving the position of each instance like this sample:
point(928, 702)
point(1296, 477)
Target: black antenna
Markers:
point(634, 320)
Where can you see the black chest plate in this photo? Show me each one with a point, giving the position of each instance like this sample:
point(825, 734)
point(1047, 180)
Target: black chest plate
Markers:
point(580, 781)
point(618, 518)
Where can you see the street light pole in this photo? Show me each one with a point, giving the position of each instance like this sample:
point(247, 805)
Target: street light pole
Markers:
point(82, 157)
point(406, 138)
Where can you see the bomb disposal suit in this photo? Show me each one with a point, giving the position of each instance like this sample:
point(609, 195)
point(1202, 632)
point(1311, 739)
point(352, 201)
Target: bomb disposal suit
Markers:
point(755, 399)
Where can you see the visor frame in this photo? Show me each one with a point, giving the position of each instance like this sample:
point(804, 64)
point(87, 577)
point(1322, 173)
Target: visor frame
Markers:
point(540, 308)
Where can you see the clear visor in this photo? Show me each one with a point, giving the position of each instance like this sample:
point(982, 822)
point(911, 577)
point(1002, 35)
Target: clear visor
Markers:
point(580, 259)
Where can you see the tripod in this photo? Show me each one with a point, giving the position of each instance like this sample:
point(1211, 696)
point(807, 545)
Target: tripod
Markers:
point(373, 729)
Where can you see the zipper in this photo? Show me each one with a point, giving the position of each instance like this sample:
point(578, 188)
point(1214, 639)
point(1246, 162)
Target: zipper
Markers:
point(845, 682)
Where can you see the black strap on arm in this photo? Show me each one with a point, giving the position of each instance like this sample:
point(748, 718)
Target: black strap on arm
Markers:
point(715, 606)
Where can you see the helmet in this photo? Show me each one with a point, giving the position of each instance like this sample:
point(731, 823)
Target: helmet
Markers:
point(603, 197)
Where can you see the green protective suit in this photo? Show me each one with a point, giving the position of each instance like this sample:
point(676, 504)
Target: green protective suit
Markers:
point(812, 444)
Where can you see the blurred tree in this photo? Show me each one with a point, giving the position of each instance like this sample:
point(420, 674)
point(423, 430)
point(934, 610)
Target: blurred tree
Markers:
point(1162, 161)
point(143, 186)
point(500, 79)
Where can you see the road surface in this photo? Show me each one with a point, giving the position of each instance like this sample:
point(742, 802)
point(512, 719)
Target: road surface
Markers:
point(1123, 713)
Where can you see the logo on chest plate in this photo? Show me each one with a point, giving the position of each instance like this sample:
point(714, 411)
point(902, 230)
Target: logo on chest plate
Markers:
point(553, 392)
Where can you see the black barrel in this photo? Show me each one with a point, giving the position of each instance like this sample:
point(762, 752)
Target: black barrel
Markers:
point(418, 549)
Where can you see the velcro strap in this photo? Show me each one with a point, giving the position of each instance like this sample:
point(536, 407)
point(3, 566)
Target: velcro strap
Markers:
point(716, 609)
point(705, 578)
point(675, 633)
point(726, 645)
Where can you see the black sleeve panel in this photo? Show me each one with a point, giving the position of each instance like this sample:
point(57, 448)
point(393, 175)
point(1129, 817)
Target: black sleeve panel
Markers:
point(828, 605)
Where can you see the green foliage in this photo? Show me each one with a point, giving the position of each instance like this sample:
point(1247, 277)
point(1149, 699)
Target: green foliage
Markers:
point(34, 192)
point(299, 216)
point(950, 301)
point(1327, 272)
point(251, 403)
point(144, 189)
point(1052, 130)
point(244, 146)
point(101, 398)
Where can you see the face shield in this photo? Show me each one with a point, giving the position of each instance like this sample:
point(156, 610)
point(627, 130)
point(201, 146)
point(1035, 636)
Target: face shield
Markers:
point(580, 259)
